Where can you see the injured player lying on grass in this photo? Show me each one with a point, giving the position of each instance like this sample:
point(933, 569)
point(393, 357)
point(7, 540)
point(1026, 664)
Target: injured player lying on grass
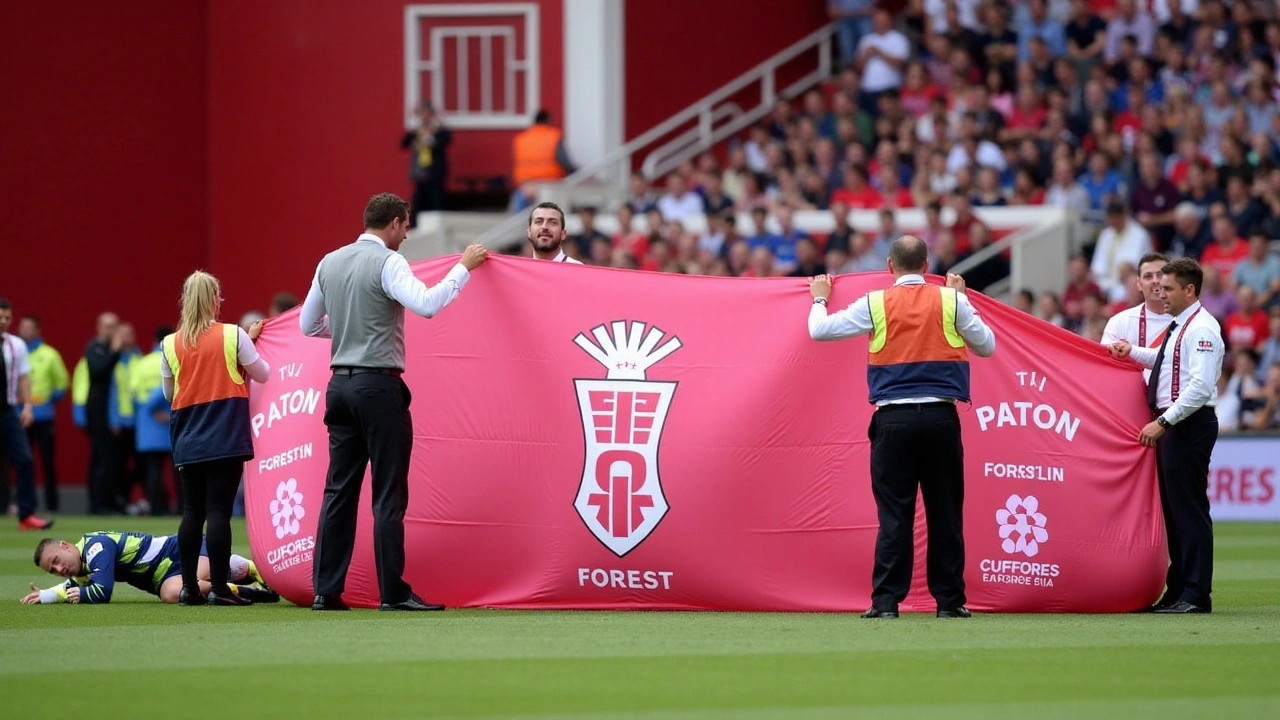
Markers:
point(99, 560)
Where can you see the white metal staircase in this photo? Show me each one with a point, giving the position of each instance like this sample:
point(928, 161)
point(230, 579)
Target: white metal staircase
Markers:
point(684, 135)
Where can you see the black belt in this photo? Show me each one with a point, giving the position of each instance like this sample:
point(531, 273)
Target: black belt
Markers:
point(916, 406)
point(1157, 412)
point(349, 371)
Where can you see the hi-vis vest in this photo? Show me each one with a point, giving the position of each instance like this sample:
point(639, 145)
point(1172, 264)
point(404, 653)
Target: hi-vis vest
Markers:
point(144, 376)
point(80, 394)
point(535, 155)
point(916, 350)
point(120, 401)
point(210, 415)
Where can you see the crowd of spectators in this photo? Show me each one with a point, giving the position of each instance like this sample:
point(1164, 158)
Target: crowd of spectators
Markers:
point(1156, 118)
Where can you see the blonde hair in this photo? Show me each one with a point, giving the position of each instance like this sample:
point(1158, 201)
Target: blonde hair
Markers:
point(200, 294)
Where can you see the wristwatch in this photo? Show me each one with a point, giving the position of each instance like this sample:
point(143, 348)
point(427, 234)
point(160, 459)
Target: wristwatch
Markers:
point(1164, 423)
point(820, 301)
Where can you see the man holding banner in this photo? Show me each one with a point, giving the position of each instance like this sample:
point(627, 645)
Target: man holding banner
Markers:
point(358, 298)
point(1182, 392)
point(917, 369)
point(1142, 325)
point(546, 233)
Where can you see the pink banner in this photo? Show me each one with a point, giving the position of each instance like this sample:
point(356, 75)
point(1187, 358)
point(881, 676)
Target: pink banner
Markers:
point(598, 438)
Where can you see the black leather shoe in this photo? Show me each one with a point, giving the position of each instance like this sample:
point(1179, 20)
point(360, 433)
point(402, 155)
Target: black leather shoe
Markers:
point(329, 602)
point(958, 611)
point(1182, 607)
point(877, 613)
point(1161, 605)
point(227, 598)
point(413, 603)
point(258, 594)
point(189, 598)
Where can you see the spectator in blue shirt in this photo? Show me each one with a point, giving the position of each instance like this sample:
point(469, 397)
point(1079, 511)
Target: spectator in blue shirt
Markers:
point(1102, 182)
point(1039, 24)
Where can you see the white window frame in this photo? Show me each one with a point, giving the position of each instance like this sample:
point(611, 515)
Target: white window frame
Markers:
point(487, 118)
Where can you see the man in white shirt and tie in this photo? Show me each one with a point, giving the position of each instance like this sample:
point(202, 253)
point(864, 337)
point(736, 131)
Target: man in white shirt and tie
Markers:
point(16, 415)
point(1143, 325)
point(1182, 392)
point(546, 233)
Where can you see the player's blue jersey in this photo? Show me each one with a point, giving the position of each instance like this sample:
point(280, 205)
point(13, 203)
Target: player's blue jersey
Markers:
point(141, 560)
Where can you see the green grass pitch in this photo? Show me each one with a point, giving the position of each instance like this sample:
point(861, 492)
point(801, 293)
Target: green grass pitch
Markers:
point(136, 658)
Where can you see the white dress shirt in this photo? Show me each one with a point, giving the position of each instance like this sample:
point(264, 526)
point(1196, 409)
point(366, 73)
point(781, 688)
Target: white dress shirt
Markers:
point(562, 258)
point(1201, 354)
point(398, 282)
point(856, 320)
point(246, 354)
point(1127, 325)
point(16, 365)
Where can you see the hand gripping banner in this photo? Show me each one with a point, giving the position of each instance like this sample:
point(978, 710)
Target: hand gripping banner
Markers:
point(598, 438)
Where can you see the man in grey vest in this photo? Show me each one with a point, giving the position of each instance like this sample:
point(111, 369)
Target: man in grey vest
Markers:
point(358, 298)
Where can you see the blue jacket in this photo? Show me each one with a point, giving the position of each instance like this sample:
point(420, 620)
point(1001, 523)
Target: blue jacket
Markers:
point(148, 399)
point(152, 434)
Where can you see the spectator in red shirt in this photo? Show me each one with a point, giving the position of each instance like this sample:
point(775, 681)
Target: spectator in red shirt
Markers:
point(1028, 116)
point(962, 223)
point(628, 237)
point(1027, 187)
point(1227, 249)
point(1247, 327)
point(891, 191)
point(1128, 124)
point(855, 192)
point(1079, 285)
point(1180, 164)
point(917, 91)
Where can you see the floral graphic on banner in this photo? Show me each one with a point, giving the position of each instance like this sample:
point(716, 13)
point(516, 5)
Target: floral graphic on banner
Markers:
point(1022, 525)
point(286, 509)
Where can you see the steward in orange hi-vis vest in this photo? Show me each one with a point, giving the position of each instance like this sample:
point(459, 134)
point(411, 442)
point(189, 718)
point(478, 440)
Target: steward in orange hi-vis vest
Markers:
point(915, 348)
point(917, 370)
point(210, 416)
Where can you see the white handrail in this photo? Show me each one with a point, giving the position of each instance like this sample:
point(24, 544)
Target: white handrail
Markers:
point(617, 163)
point(693, 136)
point(765, 69)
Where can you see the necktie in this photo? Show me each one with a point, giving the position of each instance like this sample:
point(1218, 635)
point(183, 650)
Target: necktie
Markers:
point(1153, 383)
point(4, 378)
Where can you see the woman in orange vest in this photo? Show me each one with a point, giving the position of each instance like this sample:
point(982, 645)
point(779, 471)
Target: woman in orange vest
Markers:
point(203, 372)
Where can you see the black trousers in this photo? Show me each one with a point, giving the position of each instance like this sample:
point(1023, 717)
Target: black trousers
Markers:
point(154, 465)
point(15, 449)
point(209, 489)
point(129, 470)
point(918, 447)
point(102, 481)
point(1182, 462)
point(428, 195)
point(369, 423)
point(40, 436)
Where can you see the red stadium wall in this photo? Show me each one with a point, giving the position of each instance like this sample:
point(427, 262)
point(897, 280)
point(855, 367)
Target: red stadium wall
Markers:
point(140, 143)
point(103, 176)
point(305, 113)
point(678, 51)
